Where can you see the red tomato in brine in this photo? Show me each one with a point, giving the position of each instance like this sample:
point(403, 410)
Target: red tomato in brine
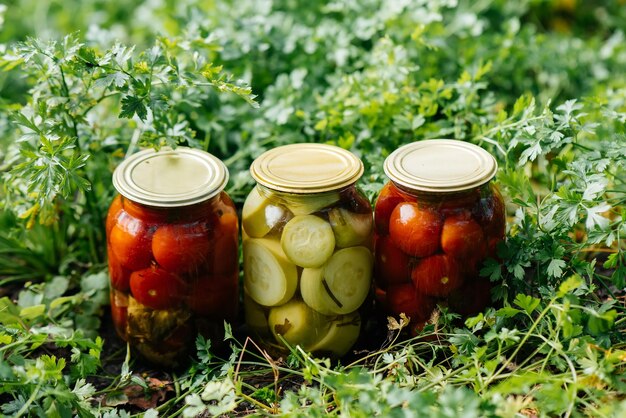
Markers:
point(462, 236)
point(228, 224)
point(156, 288)
point(214, 297)
point(147, 213)
point(437, 275)
point(131, 241)
point(387, 200)
point(114, 210)
point(119, 275)
point(392, 265)
point(415, 230)
point(181, 248)
point(405, 298)
point(225, 253)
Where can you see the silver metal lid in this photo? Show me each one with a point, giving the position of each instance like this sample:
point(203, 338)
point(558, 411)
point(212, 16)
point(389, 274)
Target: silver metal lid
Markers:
point(170, 178)
point(440, 165)
point(306, 168)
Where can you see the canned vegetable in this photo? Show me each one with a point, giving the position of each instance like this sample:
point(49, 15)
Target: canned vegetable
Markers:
point(307, 248)
point(437, 219)
point(172, 239)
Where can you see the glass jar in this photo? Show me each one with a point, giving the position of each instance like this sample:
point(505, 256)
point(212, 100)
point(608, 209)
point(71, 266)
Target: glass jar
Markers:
point(172, 241)
point(307, 249)
point(437, 220)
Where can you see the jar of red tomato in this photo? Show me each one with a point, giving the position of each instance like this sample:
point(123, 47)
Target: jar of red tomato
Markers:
point(307, 249)
point(172, 241)
point(437, 221)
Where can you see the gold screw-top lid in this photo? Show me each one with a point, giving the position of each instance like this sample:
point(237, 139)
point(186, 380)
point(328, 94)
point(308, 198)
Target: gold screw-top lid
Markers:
point(440, 165)
point(306, 168)
point(170, 178)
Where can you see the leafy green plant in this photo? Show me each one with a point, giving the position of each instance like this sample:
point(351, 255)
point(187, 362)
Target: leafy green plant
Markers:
point(57, 125)
point(42, 383)
point(540, 84)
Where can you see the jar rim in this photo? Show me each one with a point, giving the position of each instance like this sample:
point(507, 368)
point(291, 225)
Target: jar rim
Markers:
point(306, 168)
point(440, 166)
point(170, 177)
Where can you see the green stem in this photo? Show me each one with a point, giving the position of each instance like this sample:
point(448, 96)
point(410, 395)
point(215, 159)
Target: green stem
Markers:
point(66, 92)
point(94, 232)
point(494, 143)
point(98, 100)
point(172, 402)
point(438, 381)
point(583, 147)
point(30, 400)
point(257, 403)
point(133, 141)
point(606, 287)
point(507, 126)
point(521, 343)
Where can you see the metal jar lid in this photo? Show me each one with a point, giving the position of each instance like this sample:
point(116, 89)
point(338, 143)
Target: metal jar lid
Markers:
point(440, 165)
point(170, 178)
point(306, 168)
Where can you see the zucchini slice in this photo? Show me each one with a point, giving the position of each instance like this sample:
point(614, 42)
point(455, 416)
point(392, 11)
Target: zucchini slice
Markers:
point(341, 336)
point(308, 240)
point(342, 285)
point(260, 215)
point(297, 323)
point(308, 204)
point(315, 294)
point(269, 278)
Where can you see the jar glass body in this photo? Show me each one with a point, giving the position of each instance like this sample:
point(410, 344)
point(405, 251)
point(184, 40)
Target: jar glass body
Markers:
point(174, 274)
point(430, 248)
point(308, 263)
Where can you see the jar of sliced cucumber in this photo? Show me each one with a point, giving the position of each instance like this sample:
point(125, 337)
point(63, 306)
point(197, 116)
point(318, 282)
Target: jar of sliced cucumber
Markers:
point(307, 249)
point(437, 220)
point(172, 238)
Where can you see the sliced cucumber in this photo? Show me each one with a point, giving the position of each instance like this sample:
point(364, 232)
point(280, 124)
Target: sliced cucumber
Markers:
point(342, 285)
point(350, 228)
point(308, 204)
point(341, 336)
point(297, 323)
point(269, 278)
point(308, 240)
point(260, 215)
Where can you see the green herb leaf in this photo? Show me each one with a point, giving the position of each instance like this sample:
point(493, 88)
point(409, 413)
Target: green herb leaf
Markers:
point(131, 106)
